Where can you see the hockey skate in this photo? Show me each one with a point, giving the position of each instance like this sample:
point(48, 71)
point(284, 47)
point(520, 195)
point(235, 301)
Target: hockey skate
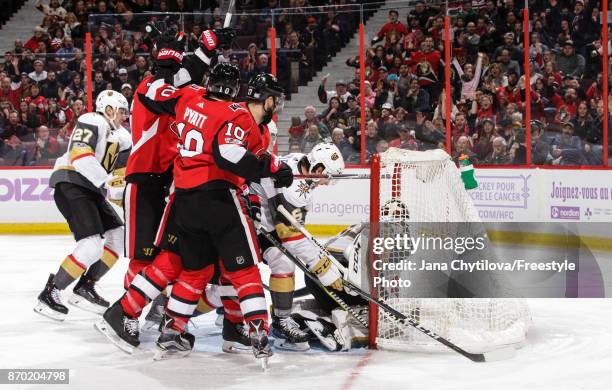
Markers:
point(326, 332)
point(235, 337)
point(120, 329)
point(173, 343)
point(260, 342)
point(156, 313)
point(49, 303)
point(86, 296)
point(288, 334)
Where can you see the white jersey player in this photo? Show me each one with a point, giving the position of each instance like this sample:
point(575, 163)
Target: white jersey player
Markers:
point(297, 199)
point(81, 178)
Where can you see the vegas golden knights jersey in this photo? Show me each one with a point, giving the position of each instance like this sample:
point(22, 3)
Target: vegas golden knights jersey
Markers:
point(92, 153)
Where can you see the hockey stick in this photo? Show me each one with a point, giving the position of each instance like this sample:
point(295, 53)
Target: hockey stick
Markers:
point(343, 305)
point(229, 14)
point(499, 354)
point(294, 222)
point(339, 176)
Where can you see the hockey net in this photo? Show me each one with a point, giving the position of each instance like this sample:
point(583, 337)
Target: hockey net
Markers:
point(409, 186)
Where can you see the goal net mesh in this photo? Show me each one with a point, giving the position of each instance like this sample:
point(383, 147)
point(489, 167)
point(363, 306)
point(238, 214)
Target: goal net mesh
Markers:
point(426, 187)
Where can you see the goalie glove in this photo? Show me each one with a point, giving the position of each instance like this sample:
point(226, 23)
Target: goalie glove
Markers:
point(327, 273)
point(115, 187)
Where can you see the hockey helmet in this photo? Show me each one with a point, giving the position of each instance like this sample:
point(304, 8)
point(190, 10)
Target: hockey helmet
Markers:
point(224, 81)
point(263, 85)
point(116, 101)
point(328, 156)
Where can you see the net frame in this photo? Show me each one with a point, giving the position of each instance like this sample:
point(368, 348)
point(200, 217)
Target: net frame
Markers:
point(475, 324)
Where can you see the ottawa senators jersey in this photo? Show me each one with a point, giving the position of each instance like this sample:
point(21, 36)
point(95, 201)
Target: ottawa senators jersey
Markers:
point(154, 145)
point(215, 138)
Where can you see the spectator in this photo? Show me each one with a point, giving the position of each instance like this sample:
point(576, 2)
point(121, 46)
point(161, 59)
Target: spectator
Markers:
point(311, 139)
point(371, 138)
point(340, 92)
point(15, 128)
point(540, 145)
point(53, 9)
point(342, 143)
point(569, 62)
point(47, 147)
point(416, 98)
point(382, 146)
point(296, 131)
point(50, 88)
point(462, 147)
point(393, 28)
point(13, 152)
point(406, 139)
point(27, 113)
point(54, 116)
point(483, 140)
point(566, 147)
point(10, 91)
point(141, 68)
point(352, 116)
point(126, 90)
point(67, 50)
point(40, 36)
point(39, 74)
point(332, 117)
point(64, 75)
point(499, 155)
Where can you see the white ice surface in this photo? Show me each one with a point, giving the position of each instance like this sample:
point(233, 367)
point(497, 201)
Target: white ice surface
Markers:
point(569, 346)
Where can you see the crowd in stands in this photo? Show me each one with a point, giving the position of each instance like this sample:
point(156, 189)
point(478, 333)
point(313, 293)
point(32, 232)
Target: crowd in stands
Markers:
point(404, 92)
point(43, 80)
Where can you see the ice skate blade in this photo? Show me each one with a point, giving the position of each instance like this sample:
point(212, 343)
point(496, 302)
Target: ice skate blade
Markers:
point(103, 327)
point(264, 363)
point(235, 347)
point(164, 354)
point(84, 304)
point(500, 354)
point(46, 311)
point(288, 346)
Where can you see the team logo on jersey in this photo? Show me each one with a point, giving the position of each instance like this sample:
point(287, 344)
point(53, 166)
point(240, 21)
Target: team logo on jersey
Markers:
point(303, 189)
point(240, 260)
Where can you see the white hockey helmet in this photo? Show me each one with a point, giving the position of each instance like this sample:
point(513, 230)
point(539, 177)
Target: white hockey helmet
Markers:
point(116, 101)
point(273, 135)
point(327, 155)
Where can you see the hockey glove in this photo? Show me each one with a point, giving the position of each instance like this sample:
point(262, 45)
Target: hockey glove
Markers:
point(254, 207)
point(280, 172)
point(211, 40)
point(327, 273)
point(170, 46)
point(115, 186)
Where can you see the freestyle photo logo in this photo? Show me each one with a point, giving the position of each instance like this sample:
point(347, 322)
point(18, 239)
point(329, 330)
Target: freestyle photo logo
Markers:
point(565, 212)
point(25, 189)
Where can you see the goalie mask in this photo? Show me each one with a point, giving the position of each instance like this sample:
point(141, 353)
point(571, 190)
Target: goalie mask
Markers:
point(113, 106)
point(328, 156)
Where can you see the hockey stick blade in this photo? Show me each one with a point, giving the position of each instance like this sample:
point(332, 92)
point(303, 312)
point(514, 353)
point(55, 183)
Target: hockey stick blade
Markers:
point(499, 354)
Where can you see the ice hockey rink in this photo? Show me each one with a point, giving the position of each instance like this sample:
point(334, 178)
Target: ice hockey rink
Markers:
point(569, 346)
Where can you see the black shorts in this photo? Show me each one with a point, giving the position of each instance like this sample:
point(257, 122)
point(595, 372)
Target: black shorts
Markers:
point(88, 213)
point(214, 225)
point(167, 236)
point(144, 205)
